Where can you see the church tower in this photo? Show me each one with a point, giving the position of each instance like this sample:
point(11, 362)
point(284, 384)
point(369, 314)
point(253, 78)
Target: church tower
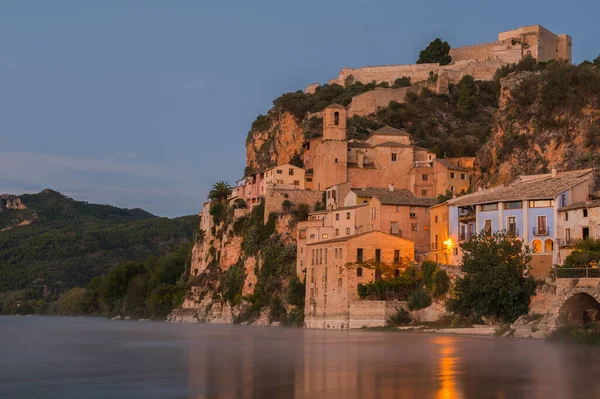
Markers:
point(331, 157)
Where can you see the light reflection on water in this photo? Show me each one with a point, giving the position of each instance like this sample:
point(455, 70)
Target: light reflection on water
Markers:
point(94, 358)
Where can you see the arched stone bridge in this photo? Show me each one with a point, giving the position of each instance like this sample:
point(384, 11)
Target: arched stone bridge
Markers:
point(576, 301)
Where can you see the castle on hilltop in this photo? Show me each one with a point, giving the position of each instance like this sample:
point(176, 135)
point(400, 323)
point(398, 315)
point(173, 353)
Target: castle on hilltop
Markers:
point(479, 61)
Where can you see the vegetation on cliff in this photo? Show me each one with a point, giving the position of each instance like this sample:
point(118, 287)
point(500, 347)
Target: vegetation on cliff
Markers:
point(583, 261)
point(549, 117)
point(71, 242)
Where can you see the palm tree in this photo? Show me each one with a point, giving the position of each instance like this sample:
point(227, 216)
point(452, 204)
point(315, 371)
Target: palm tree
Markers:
point(220, 191)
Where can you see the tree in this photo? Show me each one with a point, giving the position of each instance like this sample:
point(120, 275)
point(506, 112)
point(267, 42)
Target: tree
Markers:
point(436, 52)
point(585, 255)
point(220, 191)
point(494, 283)
point(597, 61)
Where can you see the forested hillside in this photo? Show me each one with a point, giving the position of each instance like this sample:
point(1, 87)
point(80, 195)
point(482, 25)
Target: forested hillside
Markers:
point(67, 243)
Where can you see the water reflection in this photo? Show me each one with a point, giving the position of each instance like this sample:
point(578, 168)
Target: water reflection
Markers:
point(448, 362)
point(90, 358)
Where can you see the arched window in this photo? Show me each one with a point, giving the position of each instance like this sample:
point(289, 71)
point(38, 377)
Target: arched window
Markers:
point(195, 272)
point(339, 283)
point(536, 246)
point(336, 118)
point(548, 245)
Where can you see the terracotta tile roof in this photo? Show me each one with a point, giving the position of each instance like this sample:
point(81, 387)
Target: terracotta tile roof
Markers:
point(393, 144)
point(358, 144)
point(451, 166)
point(346, 238)
point(581, 205)
point(526, 188)
point(399, 197)
point(389, 131)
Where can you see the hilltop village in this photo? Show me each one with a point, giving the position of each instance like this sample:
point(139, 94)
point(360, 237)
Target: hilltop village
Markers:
point(343, 203)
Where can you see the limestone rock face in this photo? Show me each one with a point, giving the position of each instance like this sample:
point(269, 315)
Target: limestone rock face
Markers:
point(521, 143)
point(277, 144)
point(8, 201)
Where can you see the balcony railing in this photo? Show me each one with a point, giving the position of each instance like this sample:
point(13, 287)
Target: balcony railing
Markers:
point(539, 231)
point(512, 232)
point(565, 243)
point(434, 245)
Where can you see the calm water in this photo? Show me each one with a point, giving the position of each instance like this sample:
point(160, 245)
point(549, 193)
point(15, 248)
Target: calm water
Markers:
point(95, 358)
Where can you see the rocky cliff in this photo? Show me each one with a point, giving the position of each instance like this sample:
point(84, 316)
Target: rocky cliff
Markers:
point(548, 117)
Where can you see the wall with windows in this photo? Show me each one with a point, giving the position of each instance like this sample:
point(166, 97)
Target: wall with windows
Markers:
point(517, 214)
point(331, 284)
point(491, 215)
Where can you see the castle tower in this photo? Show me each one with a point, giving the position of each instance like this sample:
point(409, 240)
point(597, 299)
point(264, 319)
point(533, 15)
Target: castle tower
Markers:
point(334, 122)
point(331, 156)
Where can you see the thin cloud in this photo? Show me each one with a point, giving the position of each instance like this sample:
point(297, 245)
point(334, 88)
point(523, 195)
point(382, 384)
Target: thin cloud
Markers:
point(160, 190)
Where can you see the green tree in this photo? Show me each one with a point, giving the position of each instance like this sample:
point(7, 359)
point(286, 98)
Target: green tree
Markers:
point(220, 191)
point(113, 287)
point(494, 283)
point(436, 52)
point(428, 268)
point(597, 61)
point(441, 283)
point(585, 255)
point(419, 299)
point(72, 302)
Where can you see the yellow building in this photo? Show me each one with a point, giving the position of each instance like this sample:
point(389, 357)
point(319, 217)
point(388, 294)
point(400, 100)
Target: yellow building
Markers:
point(284, 176)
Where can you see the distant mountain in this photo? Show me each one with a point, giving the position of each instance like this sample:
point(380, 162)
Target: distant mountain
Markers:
point(50, 242)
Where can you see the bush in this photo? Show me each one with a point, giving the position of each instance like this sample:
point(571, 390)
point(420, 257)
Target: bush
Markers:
point(217, 211)
point(428, 268)
point(400, 318)
point(232, 283)
point(419, 299)
point(441, 283)
point(286, 205)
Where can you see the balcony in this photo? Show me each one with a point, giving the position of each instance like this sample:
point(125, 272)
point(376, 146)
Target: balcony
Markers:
point(512, 232)
point(541, 231)
point(565, 243)
point(465, 236)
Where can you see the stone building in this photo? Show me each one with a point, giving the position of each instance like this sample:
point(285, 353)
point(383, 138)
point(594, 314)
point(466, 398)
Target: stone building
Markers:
point(334, 273)
point(577, 221)
point(285, 176)
point(526, 209)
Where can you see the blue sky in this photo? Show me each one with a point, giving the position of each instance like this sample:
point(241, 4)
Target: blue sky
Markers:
point(147, 103)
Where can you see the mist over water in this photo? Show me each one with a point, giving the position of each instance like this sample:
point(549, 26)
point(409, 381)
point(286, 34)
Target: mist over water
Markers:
point(79, 358)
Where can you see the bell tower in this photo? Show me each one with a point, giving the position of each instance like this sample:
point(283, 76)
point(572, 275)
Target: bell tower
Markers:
point(334, 122)
point(331, 157)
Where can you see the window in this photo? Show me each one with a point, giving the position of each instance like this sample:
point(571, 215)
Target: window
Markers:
point(359, 254)
point(585, 212)
point(335, 160)
point(279, 171)
point(452, 188)
point(394, 228)
point(336, 253)
point(489, 207)
point(414, 227)
point(424, 193)
point(536, 246)
point(396, 272)
point(279, 181)
point(426, 227)
point(463, 176)
point(548, 245)
point(296, 182)
point(487, 226)
point(359, 272)
point(324, 235)
point(452, 175)
point(373, 213)
point(340, 282)
point(312, 275)
point(541, 203)
point(336, 118)
point(320, 256)
point(378, 255)
point(436, 218)
point(347, 215)
point(435, 242)
point(567, 235)
point(348, 231)
point(337, 216)
point(563, 200)
point(396, 256)
point(291, 172)
point(511, 225)
point(394, 157)
point(309, 179)
point(513, 205)
point(397, 208)
point(585, 233)
point(340, 252)
point(326, 263)
point(377, 274)
point(312, 260)
point(413, 213)
point(566, 215)
point(425, 177)
point(337, 233)
point(427, 211)
point(541, 228)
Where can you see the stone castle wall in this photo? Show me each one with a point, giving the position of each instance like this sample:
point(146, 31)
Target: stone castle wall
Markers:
point(372, 313)
point(275, 197)
point(367, 103)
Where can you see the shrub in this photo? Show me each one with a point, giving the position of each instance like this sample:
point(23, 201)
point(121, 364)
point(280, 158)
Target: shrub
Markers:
point(428, 268)
point(419, 299)
point(400, 318)
point(286, 205)
point(217, 211)
point(232, 283)
point(441, 283)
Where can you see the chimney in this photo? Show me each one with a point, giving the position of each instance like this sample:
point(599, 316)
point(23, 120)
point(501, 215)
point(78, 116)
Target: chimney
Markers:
point(554, 172)
point(391, 187)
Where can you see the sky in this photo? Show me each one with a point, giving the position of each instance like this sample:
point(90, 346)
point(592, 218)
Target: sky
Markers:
point(148, 103)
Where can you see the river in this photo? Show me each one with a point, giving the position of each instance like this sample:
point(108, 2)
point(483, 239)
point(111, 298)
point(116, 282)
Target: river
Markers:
point(63, 358)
